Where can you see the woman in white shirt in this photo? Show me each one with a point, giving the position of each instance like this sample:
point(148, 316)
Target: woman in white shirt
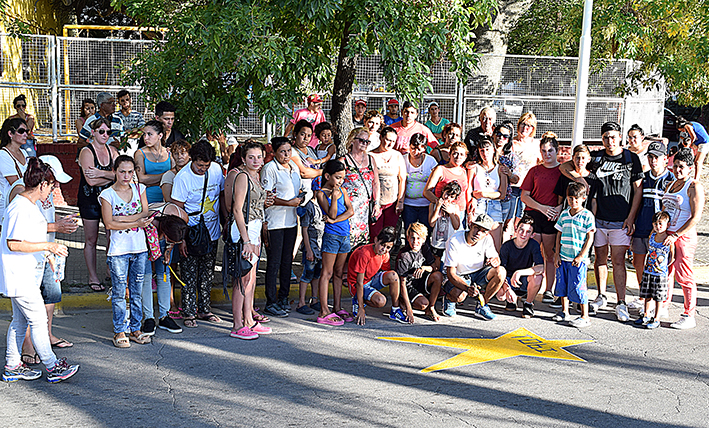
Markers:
point(419, 166)
point(281, 177)
point(23, 252)
point(13, 162)
point(124, 207)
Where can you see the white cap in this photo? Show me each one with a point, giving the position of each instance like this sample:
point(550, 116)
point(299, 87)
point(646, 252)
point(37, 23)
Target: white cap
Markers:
point(57, 169)
point(231, 141)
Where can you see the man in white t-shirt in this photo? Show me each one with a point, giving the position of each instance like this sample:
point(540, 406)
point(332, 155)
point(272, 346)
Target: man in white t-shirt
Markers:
point(473, 267)
point(187, 191)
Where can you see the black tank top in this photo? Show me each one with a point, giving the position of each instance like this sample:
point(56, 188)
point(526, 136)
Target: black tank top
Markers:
point(89, 194)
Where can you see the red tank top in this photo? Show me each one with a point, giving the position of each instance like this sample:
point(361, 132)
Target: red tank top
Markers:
point(462, 179)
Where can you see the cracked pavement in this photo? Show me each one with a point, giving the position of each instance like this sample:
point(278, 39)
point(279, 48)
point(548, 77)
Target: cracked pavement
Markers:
point(306, 374)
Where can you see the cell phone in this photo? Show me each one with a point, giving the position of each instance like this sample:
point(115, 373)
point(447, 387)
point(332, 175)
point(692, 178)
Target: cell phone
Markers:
point(301, 195)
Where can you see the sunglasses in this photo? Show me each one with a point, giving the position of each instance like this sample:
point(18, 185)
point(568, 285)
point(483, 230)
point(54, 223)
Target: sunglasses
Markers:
point(21, 106)
point(363, 140)
point(503, 136)
point(102, 131)
point(21, 131)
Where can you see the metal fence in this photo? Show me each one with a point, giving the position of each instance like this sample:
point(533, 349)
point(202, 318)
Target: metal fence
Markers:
point(57, 73)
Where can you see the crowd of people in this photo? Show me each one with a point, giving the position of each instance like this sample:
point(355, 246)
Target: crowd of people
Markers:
point(492, 216)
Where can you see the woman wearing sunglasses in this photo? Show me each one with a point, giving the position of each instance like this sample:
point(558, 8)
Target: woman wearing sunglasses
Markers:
point(96, 161)
point(509, 161)
point(13, 160)
point(20, 104)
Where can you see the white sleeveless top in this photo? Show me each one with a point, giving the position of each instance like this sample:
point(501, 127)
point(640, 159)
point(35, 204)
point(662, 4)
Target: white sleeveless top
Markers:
point(487, 181)
point(677, 206)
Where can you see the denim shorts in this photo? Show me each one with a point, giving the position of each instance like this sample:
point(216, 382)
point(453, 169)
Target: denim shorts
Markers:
point(571, 282)
point(373, 286)
point(311, 270)
point(51, 289)
point(478, 278)
point(493, 208)
point(516, 205)
point(335, 244)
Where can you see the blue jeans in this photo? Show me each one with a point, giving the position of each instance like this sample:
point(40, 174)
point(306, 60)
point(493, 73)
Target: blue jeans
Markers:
point(127, 270)
point(413, 214)
point(162, 273)
point(312, 270)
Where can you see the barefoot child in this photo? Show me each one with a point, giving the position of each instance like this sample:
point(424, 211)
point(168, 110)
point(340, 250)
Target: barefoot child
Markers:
point(368, 272)
point(576, 226)
point(416, 272)
point(337, 209)
point(444, 217)
point(655, 275)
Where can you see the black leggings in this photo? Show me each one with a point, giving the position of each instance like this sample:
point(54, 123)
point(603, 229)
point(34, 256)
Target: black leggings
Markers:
point(280, 261)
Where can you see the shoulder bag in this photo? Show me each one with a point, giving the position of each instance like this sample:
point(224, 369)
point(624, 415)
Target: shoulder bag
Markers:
point(199, 241)
point(235, 265)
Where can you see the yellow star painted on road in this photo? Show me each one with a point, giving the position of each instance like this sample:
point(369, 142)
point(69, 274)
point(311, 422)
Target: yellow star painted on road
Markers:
point(209, 205)
point(513, 344)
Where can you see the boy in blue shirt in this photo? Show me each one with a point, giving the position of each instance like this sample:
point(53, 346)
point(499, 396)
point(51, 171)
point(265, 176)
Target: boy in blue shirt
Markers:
point(576, 226)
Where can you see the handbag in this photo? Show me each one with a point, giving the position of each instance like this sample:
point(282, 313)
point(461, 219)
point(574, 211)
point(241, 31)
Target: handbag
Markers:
point(372, 203)
point(235, 265)
point(199, 241)
point(151, 235)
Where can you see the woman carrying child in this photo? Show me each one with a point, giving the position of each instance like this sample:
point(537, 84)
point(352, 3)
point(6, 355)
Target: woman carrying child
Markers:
point(337, 209)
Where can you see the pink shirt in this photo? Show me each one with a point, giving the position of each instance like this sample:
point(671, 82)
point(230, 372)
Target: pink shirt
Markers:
point(403, 135)
point(313, 118)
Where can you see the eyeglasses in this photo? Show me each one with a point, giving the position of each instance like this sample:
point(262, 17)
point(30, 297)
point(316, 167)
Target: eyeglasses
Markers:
point(102, 131)
point(363, 140)
point(529, 125)
point(21, 130)
point(503, 136)
point(21, 106)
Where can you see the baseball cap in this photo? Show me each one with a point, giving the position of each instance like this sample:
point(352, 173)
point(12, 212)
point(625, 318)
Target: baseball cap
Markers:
point(314, 98)
point(657, 148)
point(392, 102)
point(103, 97)
point(57, 169)
point(484, 221)
point(433, 103)
point(363, 102)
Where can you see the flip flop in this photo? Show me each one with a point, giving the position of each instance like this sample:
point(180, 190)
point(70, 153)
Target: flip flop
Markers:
point(346, 316)
point(190, 322)
point(141, 339)
point(33, 359)
point(62, 343)
point(120, 342)
point(331, 319)
point(209, 318)
point(261, 318)
point(98, 287)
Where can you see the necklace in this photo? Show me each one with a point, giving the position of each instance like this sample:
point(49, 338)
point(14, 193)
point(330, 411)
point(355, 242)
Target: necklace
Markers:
point(416, 162)
point(156, 157)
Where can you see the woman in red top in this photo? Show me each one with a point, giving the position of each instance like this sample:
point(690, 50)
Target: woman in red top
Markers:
point(452, 171)
point(542, 205)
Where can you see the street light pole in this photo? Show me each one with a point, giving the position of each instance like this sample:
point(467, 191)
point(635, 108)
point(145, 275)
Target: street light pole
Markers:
point(582, 75)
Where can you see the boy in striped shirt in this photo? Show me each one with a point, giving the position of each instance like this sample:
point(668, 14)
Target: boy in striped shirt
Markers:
point(576, 226)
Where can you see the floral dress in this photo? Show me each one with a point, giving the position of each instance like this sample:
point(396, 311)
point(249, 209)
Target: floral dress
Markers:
point(511, 161)
point(359, 186)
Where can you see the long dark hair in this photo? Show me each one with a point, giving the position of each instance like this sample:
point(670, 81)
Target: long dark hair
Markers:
point(37, 173)
point(10, 125)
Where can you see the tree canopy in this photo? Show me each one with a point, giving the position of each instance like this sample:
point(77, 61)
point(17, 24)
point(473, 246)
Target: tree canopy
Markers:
point(226, 58)
point(670, 38)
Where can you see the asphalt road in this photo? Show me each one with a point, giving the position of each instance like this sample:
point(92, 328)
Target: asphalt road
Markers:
point(306, 374)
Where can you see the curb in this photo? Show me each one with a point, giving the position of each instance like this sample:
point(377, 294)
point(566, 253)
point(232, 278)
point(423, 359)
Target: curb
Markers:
point(84, 301)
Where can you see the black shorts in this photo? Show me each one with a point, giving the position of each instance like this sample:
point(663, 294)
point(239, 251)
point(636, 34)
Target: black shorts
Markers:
point(438, 252)
point(90, 211)
point(541, 223)
point(417, 287)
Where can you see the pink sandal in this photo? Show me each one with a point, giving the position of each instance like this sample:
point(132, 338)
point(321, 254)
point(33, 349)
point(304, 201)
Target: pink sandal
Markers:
point(346, 316)
point(331, 319)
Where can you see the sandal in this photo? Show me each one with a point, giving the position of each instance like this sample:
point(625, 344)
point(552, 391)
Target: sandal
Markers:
point(96, 286)
point(346, 316)
point(62, 343)
point(120, 340)
point(31, 360)
point(331, 319)
point(139, 337)
point(260, 318)
point(190, 322)
point(209, 317)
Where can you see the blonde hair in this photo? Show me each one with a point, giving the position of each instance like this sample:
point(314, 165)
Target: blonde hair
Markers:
point(351, 136)
point(417, 228)
point(530, 118)
point(579, 149)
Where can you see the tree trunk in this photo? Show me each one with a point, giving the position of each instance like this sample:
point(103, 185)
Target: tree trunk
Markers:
point(493, 40)
point(341, 112)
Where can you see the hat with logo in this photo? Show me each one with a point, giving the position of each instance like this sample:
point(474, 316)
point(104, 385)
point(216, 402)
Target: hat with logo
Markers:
point(657, 148)
point(484, 221)
point(392, 102)
point(361, 102)
point(314, 98)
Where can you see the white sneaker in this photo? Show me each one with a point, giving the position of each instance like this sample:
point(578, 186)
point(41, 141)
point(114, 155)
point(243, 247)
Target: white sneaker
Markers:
point(621, 312)
point(579, 323)
point(663, 314)
point(637, 304)
point(597, 304)
point(684, 323)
